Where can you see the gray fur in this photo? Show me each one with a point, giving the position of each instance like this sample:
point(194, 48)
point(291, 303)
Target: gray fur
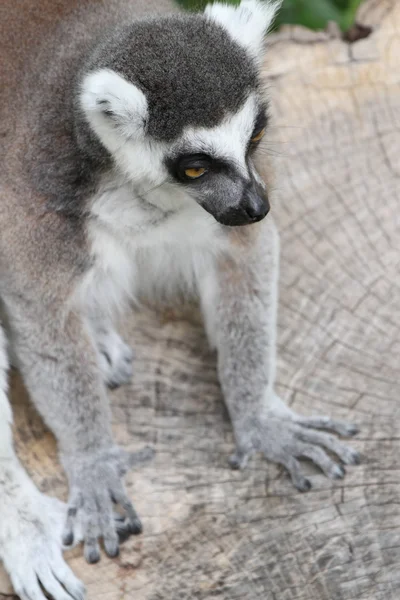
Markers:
point(30, 521)
point(115, 357)
point(178, 61)
point(190, 70)
point(241, 321)
point(74, 234)
point(38, 106)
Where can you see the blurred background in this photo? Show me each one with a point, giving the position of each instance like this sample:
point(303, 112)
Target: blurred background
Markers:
point(315, 14)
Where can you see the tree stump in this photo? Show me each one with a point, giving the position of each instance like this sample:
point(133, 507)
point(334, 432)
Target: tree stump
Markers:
point(210, 532)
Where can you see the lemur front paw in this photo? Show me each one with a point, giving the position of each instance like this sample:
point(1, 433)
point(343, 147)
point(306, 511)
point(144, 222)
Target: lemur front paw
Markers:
point(95, 485)
point(30, 542)
point(283, 437)
point(116, 359)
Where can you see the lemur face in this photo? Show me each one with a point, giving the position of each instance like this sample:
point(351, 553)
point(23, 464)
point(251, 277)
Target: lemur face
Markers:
point(215, 165)
point(195, 116)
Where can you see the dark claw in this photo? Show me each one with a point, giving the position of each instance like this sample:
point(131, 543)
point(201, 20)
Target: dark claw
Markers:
point(92, 556)
point(136, 526)
point(234, 462)
point(112, 385)
point(353, 430)
point(356, 459)
point(125, 530)
point(305, 486)
point(68, 538)
point(340, 473)
point(68, 535)
point(107, 357)
point(238, 460)
point(112, 549)
point(123, 534)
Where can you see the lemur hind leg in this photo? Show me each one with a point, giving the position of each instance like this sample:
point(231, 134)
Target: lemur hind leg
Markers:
point(31, 523)
point(114, 355)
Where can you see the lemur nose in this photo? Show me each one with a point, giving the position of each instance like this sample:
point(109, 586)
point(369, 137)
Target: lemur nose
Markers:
point(255, 202)
point(257, 213)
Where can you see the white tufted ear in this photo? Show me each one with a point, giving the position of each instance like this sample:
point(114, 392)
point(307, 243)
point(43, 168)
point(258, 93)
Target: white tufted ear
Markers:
point(247, 23)
point(112, 103)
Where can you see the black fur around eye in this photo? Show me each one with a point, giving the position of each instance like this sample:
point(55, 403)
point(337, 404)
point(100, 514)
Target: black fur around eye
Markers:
point(259, 127)
point(189, 168)
point(195, 163)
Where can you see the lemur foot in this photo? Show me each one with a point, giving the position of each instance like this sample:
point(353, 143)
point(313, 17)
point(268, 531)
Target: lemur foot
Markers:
point(283, 437)
point(30, 540)
point(116, 359)
point(95, 484)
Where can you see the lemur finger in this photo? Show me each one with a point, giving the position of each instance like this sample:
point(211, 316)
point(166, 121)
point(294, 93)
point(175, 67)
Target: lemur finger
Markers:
point(74, 504)
point(120, 496)
point(293, 466)
point(322, 460)
point(119, 462)
point(51, 584)
point(113, 385)
point(141, 457)
point(30, 589)
point(340, 427)
point(21, 592)
point(135, 522)
point(111, 544)
point(107, 527)
point(122, 526)
point(68, 532)
point(238, 460)
point(91, 532)
point(91, 550)
point(123, 530)
point(348, 455)
point(65, 576)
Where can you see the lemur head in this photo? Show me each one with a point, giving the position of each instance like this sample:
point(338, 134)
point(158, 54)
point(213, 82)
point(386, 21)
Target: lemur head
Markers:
point(177, 101)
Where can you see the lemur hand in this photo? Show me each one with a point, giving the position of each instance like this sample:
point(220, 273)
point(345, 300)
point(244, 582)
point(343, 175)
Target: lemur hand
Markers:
point(283, 436)
point(30, 539)
point(95, 484)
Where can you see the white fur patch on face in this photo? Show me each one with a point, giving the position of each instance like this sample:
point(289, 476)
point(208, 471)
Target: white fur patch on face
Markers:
point(230, 139)
point(247, 23)
point(117, 112)
point(113, 105)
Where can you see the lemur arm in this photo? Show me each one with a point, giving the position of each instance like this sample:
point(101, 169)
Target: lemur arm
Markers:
point(239, 302)
point(58, 361)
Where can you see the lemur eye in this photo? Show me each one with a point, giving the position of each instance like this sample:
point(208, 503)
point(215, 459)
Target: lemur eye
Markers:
point(256, 138)
point(195, 173)
point(190, 167)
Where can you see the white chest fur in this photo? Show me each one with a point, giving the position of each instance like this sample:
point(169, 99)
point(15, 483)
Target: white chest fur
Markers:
point(147, 248)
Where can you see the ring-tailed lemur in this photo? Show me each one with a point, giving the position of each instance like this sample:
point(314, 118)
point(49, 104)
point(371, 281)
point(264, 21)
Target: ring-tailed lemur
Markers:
point(129, 169)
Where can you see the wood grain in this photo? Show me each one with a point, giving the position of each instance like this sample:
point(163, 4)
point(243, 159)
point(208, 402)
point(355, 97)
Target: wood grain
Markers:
point(214, 533)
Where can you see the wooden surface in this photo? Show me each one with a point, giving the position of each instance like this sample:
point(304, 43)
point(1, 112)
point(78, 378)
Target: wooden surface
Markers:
point(212, 533)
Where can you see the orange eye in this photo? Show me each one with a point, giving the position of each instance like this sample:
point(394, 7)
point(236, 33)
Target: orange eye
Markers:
point(258, 136)
point(194, 173)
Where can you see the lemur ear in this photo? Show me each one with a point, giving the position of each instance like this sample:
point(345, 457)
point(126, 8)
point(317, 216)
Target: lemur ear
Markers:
point(247, 23)
point(111, 102)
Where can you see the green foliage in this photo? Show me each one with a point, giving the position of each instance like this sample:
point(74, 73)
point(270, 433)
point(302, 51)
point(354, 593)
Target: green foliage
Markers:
point(314, 14)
